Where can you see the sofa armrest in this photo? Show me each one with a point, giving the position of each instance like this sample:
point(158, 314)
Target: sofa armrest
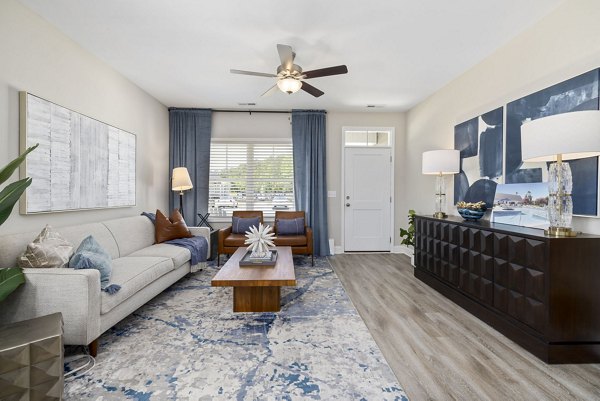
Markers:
point(74, 293)
point(309, 239)
point(201, 232)
point(223, 233)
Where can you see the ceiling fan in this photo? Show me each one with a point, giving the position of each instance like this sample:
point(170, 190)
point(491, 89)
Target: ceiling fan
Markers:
point(290, 77)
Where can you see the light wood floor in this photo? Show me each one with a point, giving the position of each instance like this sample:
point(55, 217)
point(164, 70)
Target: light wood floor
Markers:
point(438, 351)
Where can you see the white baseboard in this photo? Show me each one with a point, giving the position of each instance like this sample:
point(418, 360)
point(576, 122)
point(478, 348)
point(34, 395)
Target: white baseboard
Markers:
point(403, 249)
point(395, 249)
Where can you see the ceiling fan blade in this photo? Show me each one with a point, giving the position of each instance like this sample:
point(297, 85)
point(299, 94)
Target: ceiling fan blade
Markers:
point(306, 87)
point(270, 91)
point(286, 55)
point(258, 74)
point(323, 72)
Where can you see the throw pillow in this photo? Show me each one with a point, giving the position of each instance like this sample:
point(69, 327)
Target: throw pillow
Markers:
point(90, 255)
point(290, 226)
point(48, 250)
point(239, 225)
point(167, 229)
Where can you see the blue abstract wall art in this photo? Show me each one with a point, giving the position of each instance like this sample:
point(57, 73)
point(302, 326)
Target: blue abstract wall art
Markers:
point(480, 141)
point(575, 94)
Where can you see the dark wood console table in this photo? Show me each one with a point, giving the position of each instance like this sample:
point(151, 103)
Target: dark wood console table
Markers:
point(541, 292)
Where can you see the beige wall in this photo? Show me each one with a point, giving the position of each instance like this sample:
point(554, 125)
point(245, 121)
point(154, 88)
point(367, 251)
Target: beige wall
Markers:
point(37, 58)
point(335, 122)
point(241, 125)
point(257, 126)
point(562, 45)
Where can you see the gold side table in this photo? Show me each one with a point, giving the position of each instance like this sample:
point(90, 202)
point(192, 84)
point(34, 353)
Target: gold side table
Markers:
point(31, 359)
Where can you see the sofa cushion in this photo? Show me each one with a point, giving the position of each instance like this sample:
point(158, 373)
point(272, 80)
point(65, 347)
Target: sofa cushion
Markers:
point(48, 249)
point(170, 228)
point(90, 255)
point(133, 274)
point(291, 240)
point(12, 245)
point(235, 240)
point(131, 233)
point(178, 255)
point(290, 226)
point(240, 225)
point(76, 234)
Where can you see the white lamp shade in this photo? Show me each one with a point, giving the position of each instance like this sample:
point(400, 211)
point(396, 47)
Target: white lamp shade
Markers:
point(289, 85)
point(181, 179)
point(443, 161)
point(573, 135)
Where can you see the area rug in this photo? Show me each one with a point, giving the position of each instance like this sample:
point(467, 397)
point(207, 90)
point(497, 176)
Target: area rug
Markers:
point(187, 344)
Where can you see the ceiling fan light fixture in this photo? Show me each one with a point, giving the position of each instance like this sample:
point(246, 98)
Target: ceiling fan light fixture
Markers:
point(289, 85)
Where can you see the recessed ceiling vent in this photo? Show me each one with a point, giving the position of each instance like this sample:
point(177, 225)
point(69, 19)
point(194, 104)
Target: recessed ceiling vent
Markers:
point(246, 104)
point(375, 106)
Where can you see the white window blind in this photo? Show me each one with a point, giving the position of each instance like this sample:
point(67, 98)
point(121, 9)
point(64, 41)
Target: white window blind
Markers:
point(250, 176)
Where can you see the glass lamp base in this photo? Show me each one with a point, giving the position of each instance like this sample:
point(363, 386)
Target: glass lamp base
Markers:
point(560, 232)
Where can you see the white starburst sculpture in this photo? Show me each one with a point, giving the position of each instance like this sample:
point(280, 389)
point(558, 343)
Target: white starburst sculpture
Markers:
point(259, 240)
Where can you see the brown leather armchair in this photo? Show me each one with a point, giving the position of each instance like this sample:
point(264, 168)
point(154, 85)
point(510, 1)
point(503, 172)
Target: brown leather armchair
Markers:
point(301, 244)
point(229, 242)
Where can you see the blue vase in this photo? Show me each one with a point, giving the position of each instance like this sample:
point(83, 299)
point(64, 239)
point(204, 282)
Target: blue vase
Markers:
point(471, 215)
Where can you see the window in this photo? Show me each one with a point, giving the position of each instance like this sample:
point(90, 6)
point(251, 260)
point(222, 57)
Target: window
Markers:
point(250, 176)
point(367, 138)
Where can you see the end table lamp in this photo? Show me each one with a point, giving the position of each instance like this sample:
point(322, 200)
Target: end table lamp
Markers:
point(557, 138)
point(441, 162)
point(181, 182)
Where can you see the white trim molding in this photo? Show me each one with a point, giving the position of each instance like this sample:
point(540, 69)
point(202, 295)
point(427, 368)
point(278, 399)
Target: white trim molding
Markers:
point(404, 249)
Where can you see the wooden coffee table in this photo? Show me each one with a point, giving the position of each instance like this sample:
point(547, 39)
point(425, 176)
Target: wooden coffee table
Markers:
point(257, 289)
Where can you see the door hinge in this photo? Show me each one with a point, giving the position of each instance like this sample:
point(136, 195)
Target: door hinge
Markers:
point(390, 158)
point(390, 240)
point(390, 199)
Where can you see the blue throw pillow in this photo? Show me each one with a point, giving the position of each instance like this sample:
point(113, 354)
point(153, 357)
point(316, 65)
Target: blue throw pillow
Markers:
point(290, 226)
point(90, 255)
point(240, 225)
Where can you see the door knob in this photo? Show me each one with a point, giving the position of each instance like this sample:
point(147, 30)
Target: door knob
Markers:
point(347, 205)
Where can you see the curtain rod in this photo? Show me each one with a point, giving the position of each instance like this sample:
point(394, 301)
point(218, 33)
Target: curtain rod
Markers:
point(262, 111)
point(253, 111)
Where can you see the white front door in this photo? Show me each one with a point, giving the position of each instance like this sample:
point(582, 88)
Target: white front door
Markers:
point(367, 199)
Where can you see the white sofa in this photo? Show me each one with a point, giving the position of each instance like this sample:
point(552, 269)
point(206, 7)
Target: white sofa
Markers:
point(142, 269)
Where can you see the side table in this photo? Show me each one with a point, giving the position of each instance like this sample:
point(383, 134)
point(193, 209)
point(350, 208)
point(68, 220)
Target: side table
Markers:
point(31, 359)
point(214, 244)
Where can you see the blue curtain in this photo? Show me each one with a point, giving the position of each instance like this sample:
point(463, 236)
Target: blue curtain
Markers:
point(310, 178)
point(189, 146)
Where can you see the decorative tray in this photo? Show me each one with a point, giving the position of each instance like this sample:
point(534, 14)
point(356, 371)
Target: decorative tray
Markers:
point(247, 261)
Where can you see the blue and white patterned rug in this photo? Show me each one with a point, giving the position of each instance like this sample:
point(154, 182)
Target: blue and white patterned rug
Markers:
point(187, 344)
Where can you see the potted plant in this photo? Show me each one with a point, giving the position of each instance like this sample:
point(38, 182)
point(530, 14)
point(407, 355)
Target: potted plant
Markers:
point(408, 235)
point(11, 278)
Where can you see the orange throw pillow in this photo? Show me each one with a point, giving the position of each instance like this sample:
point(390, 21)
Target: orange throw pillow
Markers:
point(173, 228)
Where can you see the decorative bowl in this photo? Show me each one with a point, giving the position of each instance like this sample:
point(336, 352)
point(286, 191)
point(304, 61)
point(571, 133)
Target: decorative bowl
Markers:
point(471, 214)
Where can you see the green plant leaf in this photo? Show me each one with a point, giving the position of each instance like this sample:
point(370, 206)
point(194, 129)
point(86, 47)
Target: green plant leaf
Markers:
point(10, 168)
point(10, 280)
point(10, 195)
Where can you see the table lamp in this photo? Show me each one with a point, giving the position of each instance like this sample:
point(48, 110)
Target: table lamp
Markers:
point(441, 162)
point(557, 138)
point(181, 182)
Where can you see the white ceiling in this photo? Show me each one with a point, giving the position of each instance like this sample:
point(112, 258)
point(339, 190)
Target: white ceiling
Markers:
point(398, 52)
